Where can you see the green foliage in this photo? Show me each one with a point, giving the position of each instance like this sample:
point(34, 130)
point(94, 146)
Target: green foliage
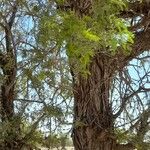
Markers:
point(57, 140)
point(90, 36)
point(79, 124)
point(8, 130)
point(16, 130)
point(126, 137)
point(52, 141)
point(53, 111)
point(84, 36)
point(122, 136)
point(35, 139)
point(140, 145)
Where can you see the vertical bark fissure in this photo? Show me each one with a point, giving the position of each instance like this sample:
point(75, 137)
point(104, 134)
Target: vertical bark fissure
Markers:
point(93, 123)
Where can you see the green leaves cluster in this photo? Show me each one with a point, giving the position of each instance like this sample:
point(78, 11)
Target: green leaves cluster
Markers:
point(16, 130)
point(57, 141)
point(122, 136)
point(83, 37)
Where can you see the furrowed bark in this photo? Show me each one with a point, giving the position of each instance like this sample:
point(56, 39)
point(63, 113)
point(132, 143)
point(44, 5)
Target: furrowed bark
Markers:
point(93, 120)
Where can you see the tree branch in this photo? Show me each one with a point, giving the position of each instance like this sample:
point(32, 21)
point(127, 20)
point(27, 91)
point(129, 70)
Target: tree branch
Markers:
point(135, 9)
point(13, 15)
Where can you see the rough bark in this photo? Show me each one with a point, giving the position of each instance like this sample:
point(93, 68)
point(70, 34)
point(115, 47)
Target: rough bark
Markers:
point(93, 121)
point(93, 118)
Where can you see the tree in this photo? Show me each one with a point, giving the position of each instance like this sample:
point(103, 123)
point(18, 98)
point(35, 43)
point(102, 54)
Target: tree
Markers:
point(93, 114)
point(28, 71)
point(95, 41)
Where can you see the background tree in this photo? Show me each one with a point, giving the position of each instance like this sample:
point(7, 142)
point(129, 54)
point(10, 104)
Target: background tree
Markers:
point(32, 76)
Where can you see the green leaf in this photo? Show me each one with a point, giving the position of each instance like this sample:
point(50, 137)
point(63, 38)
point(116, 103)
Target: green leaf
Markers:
point(90, 36)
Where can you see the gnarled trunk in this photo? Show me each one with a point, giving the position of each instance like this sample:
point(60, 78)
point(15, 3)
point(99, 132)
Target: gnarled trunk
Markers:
point(93, 121)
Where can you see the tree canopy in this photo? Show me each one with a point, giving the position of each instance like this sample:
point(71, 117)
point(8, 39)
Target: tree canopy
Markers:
point(78, 63)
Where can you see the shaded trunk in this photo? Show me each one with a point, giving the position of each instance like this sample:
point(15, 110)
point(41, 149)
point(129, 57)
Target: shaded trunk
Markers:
point(12, 140)
point(7, 95)
point(7, 102)
point(93, 120)
point(8, 65)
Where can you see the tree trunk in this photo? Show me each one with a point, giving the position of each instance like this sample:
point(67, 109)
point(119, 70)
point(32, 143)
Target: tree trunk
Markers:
point(8, 66)
point(7, 95)
point(93, 120)
point(7, 101)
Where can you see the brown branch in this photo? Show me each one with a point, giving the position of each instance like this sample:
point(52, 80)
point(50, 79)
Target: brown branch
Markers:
point(13, 15)
point(124, 102)
point(140, 29)
point(33, 128)
point(136, 9)
point(29, 101)
point(143, 124)
point(141, 44)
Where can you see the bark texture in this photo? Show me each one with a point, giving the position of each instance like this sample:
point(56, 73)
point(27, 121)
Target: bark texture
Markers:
point(93, 120)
